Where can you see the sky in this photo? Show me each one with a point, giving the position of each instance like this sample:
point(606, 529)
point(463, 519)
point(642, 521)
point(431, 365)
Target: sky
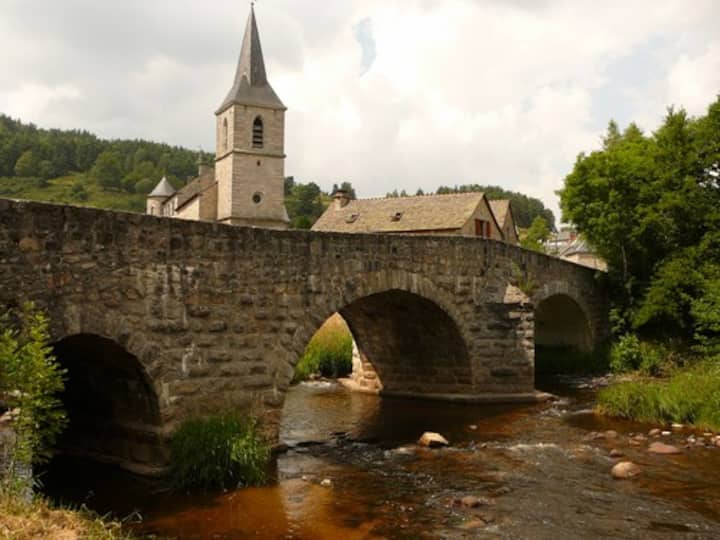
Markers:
point(386, 94)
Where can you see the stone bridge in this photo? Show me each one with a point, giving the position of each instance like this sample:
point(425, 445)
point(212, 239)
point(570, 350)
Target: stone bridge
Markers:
point(159, 319)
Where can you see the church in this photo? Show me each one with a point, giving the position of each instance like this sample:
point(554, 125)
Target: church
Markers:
point(246, 184)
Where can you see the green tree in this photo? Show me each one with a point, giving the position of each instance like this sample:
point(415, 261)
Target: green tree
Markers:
point(107, 171)
point(30, 381)
point(26, 164)
point(651, 207)
point(536, 235)
point(46, 169)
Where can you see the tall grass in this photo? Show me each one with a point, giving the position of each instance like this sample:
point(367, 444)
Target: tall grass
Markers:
point(690, 396)
point(329, 352)
point(219, 451)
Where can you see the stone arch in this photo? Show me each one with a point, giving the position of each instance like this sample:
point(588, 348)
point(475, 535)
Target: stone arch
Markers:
point(355, 300)
point(562, 319)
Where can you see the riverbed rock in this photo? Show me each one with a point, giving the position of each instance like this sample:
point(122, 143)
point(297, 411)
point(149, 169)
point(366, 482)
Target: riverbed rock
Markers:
point(655, 432)
point(470, 501)
point(472, 427)
point(611, 434)
point(677, 426)
point(625, 470)
point(665, 433)
point(430, 439)
point(615, 453)
point(326, 482)
point(663, 449)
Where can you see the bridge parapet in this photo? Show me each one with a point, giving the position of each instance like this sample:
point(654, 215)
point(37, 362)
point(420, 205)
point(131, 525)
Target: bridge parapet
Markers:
point(217, 316)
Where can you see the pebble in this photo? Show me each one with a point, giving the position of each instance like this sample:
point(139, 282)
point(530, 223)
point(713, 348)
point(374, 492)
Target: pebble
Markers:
point(611, 434)
point(473, 427)
point(326, 482)
point(662, 448)
point(677, 426)
point(615, 453)
point(432, 440)
point(654, 432)
point(625, 470)
point(665, 433)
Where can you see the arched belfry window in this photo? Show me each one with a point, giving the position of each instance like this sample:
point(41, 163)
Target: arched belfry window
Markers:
point(225, 134)
point(257, 134)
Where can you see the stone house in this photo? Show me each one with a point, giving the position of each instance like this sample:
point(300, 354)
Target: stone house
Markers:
point(580, 252)
point(466, 214)
point(246, 184)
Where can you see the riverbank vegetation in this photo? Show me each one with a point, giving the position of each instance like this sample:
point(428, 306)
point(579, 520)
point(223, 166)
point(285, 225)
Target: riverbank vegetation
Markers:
point(650, 205)
point(329, 353)
point(216, 452)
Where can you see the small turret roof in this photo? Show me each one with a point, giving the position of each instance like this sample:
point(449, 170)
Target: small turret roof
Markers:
point(164, 189)
point(251, 86)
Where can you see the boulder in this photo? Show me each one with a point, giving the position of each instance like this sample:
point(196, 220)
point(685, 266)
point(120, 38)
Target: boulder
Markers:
point(662, 448)
point(625, 470)
point(430, 439)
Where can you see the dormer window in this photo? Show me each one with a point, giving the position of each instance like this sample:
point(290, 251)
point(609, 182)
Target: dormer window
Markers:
point(352, 218)
point(397, 216)
point(257, 133)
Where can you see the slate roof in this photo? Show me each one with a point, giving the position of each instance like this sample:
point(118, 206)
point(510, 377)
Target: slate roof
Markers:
point(401, 214)
point(251, 86)
point(195, 187)
point(163, 189)
point(500, 209)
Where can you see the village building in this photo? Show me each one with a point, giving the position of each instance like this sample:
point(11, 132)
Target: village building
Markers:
point(466, 214)
point(580, 252)
point(502, 210)
point(246, 184)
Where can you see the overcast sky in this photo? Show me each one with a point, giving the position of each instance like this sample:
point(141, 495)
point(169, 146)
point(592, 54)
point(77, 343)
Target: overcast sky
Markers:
point(388, 94)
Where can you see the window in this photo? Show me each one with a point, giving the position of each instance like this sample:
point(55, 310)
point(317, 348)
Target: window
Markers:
point(257, 133)
point(352, 218)
point(482, 228)
point(225, 134)
point(257, 198)
point(397, 216)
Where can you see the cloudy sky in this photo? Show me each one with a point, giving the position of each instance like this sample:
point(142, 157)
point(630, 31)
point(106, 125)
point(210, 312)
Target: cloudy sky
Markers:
point(384, 93)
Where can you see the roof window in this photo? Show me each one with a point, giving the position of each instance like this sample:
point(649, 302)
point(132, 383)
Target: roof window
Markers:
point(397, 216)
point(352, 218)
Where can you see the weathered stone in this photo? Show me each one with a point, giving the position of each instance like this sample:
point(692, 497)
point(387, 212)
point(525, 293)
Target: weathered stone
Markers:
point(625, 470)
point(662, 448)
point(430, 439)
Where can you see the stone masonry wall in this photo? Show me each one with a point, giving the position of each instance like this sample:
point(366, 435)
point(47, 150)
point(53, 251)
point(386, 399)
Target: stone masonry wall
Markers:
point(218, 316)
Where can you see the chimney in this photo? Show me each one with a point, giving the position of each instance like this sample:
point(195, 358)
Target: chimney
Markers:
point(202, 166)
point(341, 198)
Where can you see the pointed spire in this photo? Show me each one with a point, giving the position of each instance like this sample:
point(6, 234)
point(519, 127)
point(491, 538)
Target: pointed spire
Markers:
point(163, 190)
point(251, 86)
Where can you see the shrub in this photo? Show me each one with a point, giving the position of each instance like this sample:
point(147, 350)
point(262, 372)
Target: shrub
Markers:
point(329, 352)
point(30, 380)
point(625, 354)
point(217, 452)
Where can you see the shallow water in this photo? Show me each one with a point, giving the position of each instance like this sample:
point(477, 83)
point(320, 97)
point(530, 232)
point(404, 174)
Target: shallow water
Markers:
point(534, 467)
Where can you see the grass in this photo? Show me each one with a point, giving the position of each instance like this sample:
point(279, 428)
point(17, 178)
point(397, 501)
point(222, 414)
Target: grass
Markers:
point(219, 451)
point(690, 396)
point(329, 352)
point(37, 518)
point(571, 361)
point(59, 190)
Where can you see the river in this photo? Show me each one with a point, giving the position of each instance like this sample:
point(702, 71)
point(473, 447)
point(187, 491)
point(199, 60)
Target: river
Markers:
point(352, 471)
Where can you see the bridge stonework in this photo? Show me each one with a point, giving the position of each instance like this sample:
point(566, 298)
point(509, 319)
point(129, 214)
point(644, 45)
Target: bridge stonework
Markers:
point(217, 316)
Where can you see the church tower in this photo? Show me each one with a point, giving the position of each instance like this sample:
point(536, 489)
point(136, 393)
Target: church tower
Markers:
point(250, 154)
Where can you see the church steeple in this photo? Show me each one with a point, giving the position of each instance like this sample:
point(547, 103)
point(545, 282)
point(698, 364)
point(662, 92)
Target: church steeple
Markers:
point(251, 86)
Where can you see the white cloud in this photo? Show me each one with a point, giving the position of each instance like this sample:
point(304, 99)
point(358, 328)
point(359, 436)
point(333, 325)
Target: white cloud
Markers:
point(459, 91)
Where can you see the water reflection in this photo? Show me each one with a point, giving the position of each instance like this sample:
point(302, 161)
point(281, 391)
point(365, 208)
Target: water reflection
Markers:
point(534, 467)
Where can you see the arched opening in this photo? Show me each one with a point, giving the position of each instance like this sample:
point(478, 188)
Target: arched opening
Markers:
point(398, 344)
point(258, 133)
point(562, 335)
point(112, 408)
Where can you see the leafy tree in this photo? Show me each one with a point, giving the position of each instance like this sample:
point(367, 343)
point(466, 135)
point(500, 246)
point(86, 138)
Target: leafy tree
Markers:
point(347, 188)
point(46, 169)
point(536, 235)
point(30, 381)
point(144, 186)
point(305, 205)
point(651, 207)
point(78, 192)
point(26, 164)
point(107, 170)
